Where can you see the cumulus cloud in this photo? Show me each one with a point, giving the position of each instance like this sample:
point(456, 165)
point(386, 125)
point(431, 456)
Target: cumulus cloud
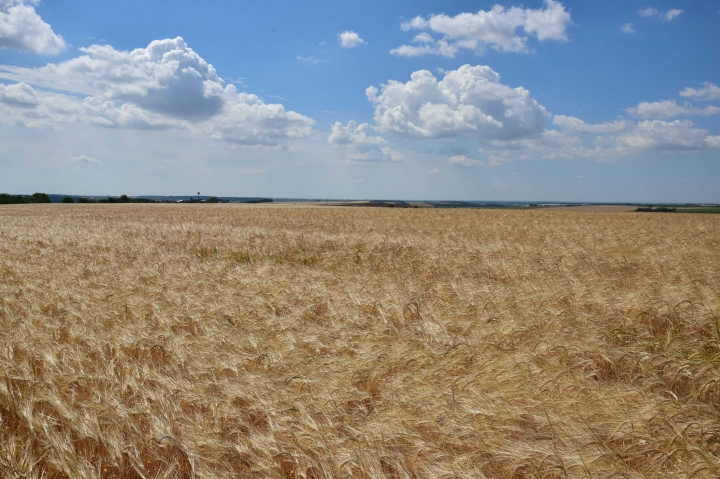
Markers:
point(167, 77)
point(549, 144)
point(464, 161)
point(471, 103)
point(20, 95)
point(349, 39)
point(670, 109)
point(709, 91)
point(423, 37)
point(468, 102)
point(85, 159)
point(652, 12)
point(21, 28)
point(247, 120)
point(372, 154)
point(21, 104)
point(353, 134)
point(361, 146)
point(496, 28)
point(613, 140)
point(576, 125)
point(663, 135)
point(164, 85)
point(628, 28)
point(713, 141)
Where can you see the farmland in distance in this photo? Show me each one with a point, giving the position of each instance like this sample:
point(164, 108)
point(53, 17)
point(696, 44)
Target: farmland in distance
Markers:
point(149, 341)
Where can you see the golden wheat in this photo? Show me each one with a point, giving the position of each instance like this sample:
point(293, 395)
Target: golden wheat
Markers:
point(161, 341)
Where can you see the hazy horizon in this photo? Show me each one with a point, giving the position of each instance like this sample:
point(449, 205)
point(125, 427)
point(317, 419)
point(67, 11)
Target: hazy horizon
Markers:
point(565, 101)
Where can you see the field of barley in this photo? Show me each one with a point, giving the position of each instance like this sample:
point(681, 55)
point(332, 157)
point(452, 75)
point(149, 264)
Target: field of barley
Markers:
point(223, 341)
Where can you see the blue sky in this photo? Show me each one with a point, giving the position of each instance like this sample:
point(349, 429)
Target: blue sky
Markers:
point(535, 100)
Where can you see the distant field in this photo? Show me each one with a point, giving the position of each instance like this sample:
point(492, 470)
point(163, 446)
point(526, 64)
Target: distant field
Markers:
point(708, 209)
point(162, 341)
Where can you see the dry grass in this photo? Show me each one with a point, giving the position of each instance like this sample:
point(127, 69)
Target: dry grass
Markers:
point(232, 341)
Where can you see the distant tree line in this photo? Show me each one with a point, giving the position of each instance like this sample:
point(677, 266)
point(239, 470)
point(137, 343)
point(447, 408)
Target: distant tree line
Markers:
point(123, 199)
point(656, 209)
point(6, 199)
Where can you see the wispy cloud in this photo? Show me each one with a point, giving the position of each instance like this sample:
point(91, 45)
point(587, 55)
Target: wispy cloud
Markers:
point(652, 12)
point(464, 161)
point(310, 59)
point(628, 28)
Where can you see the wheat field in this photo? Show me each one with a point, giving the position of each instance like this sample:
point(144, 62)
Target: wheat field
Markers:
point(219, 341)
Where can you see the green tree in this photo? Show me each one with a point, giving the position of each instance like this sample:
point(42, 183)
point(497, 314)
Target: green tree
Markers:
point(6, 199)
point(68, 199)
point(37, 198)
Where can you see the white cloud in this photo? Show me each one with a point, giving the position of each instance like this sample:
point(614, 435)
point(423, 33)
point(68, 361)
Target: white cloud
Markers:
point(652, 12)
point(21, 104)
point(649, 12)
point(247, 120)
point(670, 109)
point(435, 171)
point(20, 95)
point(361, 147)
point(350, 39)
point(468, 102)
point(552, 144)
point(164, 85)
point(423, 37)
point(713, 141)
point(309, 59)
point(670, 15)
point(708, 92)
point(663, 135)
point(167, 77)
point(373, 154)
point(618, 139)
point(496, 28)
point(21, 28)
point(464, 161)
point(497, 160)
point(441, 47)
point(472, 103)
point(576, 125)
point(85, 159)
point(391, 154)
point(353, 134)
point(628, 28)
